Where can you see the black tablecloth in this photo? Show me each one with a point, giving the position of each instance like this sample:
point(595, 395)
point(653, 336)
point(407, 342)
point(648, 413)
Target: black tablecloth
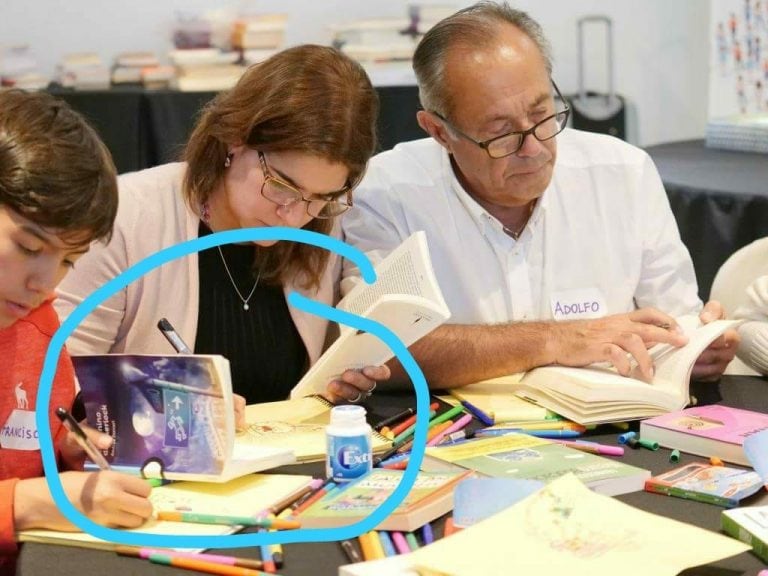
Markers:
point(323, 559)
point(720, 200)
point(144, 128)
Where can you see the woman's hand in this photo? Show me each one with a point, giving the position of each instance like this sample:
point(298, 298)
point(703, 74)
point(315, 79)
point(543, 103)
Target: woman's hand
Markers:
point(108, 498)
point(356, 385)
point(72, 454)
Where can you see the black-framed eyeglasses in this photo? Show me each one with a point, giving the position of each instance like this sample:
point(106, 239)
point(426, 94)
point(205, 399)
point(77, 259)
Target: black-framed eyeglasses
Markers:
point(283, 194)
point(511, 142)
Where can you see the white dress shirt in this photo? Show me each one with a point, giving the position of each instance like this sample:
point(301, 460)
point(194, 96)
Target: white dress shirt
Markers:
point(601, 240)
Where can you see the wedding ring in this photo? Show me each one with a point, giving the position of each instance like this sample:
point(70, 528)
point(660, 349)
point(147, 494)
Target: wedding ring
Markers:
point(372, 388)
point(357, 398)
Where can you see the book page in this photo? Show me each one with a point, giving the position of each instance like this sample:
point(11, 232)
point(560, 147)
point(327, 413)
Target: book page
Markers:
point(564, 528)
point(406, 270)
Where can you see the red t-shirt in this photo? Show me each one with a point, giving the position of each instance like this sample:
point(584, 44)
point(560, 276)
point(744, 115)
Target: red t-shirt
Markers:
point(23, 346)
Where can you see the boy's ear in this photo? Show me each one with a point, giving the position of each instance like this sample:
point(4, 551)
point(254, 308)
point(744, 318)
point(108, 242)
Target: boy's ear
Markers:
point(435, 127)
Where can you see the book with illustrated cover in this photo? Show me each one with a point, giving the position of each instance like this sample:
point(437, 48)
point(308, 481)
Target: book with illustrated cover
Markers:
point(169, 417)
point(721, 485)
point(562, 528)
point(297, 425)
point(707, 431)
point(529, 458)
point(750, 525)
point(597, 394)
point(405, 298)
point(246, 495)
point(430, 497)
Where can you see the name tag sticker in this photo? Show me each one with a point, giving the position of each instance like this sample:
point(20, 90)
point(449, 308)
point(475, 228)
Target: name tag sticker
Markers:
point(20, 431)
point(578, 304)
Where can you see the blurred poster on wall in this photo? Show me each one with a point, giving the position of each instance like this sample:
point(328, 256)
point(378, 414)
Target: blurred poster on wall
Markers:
point(738, 82)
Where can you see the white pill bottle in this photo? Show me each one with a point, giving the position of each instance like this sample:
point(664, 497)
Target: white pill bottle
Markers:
point(348, 444)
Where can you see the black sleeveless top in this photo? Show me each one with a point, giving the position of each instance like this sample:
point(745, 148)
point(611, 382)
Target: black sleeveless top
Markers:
point(266, 354)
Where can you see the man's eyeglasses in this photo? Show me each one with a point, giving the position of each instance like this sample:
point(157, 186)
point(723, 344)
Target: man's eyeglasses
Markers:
point(284, 194)
point(511, 142)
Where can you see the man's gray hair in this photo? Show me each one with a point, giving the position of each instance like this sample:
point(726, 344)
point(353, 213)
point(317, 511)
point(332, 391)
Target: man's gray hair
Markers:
point(474, 26)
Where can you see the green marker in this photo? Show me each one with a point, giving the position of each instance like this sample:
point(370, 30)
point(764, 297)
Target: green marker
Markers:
point(674, 457)
point(648, 444)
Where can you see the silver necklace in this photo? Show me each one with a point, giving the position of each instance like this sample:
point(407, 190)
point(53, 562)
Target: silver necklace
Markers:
point(232, 280)
point(516, 235)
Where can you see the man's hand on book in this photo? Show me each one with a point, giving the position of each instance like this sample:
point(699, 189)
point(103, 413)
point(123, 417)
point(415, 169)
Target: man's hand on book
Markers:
point(713, 361)
point(620, 339)
point(356, 385)
point(106, 497)
point(72, 455)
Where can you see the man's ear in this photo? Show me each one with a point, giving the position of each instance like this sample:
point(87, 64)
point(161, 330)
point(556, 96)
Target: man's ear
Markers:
point(433, 126)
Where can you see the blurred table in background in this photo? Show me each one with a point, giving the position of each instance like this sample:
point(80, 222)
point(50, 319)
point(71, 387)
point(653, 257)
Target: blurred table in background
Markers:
point(144, 128)
point(719, 197)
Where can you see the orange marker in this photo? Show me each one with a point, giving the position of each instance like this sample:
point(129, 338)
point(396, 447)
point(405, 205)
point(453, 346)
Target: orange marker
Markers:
point(201, 566)
point(715, 461)
point(449, 528)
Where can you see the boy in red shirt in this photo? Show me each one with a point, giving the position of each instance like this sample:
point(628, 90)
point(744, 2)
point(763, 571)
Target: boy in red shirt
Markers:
point(58, 192)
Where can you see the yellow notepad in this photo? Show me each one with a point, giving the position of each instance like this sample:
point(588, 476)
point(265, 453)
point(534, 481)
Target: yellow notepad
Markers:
point(246, 495)
point(496, 397)
point(297, 424)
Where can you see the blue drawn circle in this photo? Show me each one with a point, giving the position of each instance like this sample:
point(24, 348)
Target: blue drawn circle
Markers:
point(294, 299)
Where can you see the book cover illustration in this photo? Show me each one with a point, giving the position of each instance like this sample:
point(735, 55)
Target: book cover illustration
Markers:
point(721, 423)
point(528, 457)
point(721, 485)
point(166, 412)
point(363, 496)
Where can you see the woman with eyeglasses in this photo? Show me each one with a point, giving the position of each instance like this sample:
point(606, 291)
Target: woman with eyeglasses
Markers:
point(284, 147)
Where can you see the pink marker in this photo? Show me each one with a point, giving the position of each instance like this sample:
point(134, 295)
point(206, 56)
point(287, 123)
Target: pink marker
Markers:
point(455, 427)
point(593, 448)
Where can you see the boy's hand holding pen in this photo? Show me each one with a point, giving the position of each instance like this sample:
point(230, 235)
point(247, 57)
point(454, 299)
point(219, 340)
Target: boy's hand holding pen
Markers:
point(82, 441)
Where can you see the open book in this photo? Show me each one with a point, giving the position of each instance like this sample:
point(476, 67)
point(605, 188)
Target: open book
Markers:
point(598, 394)
point(405, 298)
point(297, 425)
point(169, 416)
point(248, 495)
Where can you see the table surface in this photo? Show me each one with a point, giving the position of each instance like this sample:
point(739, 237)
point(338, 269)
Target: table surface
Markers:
point(319, 559)
point(691, 164)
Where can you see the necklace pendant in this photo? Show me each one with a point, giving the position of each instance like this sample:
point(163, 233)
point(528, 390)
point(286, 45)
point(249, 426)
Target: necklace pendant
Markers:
point(245, 306)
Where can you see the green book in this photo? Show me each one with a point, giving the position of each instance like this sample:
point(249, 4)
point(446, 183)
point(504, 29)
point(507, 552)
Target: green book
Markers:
point(527, 457)
point(430, 497)
point(750, 525)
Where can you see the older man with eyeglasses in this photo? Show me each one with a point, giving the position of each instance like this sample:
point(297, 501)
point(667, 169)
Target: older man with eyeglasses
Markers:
point(551, 246)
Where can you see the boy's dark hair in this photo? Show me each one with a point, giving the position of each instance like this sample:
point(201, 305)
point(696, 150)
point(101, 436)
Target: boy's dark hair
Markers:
point(54, 169)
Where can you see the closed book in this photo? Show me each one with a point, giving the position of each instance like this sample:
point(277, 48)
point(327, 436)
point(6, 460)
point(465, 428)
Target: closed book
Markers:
point(430, 497)
point(721, 485)
point(707, 431)
point(527, 457)
point(598, 393)
point(750, 525)
point(297, 425)
point(170, 417)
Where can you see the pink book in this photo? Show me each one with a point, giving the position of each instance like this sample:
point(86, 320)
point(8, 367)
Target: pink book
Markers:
point(706, 430)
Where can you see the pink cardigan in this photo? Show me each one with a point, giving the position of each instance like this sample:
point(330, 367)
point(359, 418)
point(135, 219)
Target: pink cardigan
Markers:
point(153, 215)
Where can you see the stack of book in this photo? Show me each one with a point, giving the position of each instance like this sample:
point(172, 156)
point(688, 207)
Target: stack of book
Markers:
point(84, 71)
point(259, 37)
point(375, 40)
point(745, 133)
point(18, 69)
point(141, 68)
point(205, 69)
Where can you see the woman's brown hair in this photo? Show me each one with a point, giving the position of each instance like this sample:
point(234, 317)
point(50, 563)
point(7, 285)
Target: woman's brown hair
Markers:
point(309, 99)
point(54, 169)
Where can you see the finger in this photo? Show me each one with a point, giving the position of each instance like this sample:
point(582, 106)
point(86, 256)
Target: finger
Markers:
point(656, 335)
point(120, 519)
point(377, 373)
point(633, 345)
point(654, 317)
point(100, 439)
point(616, 356)
point(342, 392)
point(712, 311)
point(239, 405)
point(358, 380)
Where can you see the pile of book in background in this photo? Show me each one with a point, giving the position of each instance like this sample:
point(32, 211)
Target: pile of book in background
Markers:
point(18, 69)
point(745, 133)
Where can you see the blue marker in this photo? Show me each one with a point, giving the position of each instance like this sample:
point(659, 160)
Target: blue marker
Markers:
point(477, 413)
